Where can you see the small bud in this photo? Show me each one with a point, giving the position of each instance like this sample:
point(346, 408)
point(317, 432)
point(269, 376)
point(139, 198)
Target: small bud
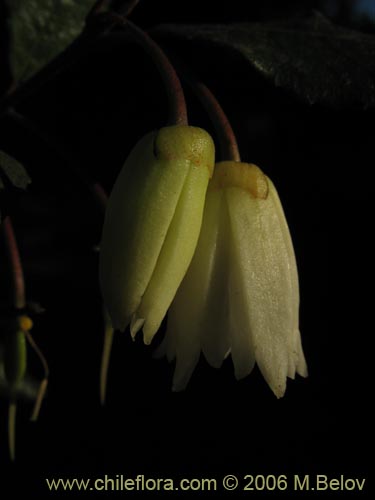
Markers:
point(25, 323)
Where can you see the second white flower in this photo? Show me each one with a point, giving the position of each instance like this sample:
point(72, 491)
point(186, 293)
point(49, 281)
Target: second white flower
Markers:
point(240, 294)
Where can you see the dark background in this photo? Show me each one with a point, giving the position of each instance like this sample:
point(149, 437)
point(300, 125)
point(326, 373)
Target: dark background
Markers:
point(321, 161)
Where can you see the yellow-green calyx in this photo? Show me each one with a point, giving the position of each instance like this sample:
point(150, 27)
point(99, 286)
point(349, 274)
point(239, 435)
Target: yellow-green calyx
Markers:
point(240, 294)
point(15, 358)
point(245, 176)
point(152, 225)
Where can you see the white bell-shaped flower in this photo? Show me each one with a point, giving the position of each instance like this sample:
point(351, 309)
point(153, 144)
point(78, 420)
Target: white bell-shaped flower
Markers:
point(240, 294)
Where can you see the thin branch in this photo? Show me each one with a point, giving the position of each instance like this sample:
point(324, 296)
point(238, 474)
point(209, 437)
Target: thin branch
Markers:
point(106, 355)
point(99, 7)
point(38, 352)
point(43, 384)
point(176, 98)
point(127, 7)
point(39, 400)
point(124, 7)
point(18, 283)
point(225, 135)
point(99, 195)
point(227, 140)
point(12, 413)
point(19, 302)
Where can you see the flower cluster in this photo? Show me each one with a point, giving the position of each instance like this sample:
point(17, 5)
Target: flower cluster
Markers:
point(216, 253)
point(240, 294)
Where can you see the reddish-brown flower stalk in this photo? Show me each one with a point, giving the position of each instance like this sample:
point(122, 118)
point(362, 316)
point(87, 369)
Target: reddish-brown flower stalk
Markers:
point(125, 8)
point(228, 147)
point(225, 136)
point(176, 99)
point(17, 280)
point(18, 301)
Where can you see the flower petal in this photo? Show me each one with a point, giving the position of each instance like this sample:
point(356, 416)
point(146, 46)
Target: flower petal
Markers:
point(297, 362)
point(176, 253)
point(266, 271)
point(215, 314)
point(295, 348)
point(240, 293)
point(196, 318)
point(139, 215)
point(132, 241)
point(242, 341)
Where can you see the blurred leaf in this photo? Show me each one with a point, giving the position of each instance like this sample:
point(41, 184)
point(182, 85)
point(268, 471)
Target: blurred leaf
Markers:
point(15, 172)
point(318, 61)
point(41, 29)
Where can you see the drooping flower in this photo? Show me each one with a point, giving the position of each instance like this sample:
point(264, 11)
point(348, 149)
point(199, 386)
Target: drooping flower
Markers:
point(240, 294)
point(152, 225)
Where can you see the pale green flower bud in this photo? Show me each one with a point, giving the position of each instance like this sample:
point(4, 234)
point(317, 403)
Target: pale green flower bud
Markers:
point(152, 225)
point(240, 294)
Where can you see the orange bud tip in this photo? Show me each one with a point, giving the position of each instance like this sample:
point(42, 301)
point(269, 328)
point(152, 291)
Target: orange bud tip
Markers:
point(25, 323)
point(241, 175)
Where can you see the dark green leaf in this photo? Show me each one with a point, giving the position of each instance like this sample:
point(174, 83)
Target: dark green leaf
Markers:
point(318, 61)
point(41, 29)
point(14, 171)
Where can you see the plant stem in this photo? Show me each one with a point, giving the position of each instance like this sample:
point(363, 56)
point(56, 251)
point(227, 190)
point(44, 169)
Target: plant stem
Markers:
point(127, 8)
point(12, 413)
point(227, 140)
point(18, 283)
point(39, 400)
point(225, 135)
point(99, 195)
point(176, 98)
point(99, 7)
point(106, 355)
point(43, 384)
point(19, 302)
